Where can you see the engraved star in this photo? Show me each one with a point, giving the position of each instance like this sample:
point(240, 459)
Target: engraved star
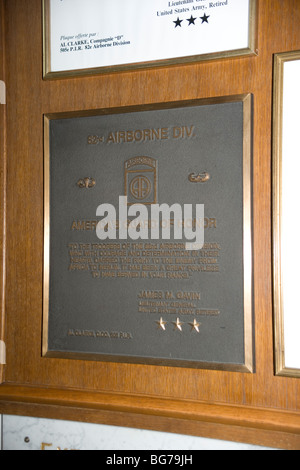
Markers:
point(204, 18)
point(178, 22)
point(178, 324)
point(191, 20)
point(162, 324)
point(195, 326)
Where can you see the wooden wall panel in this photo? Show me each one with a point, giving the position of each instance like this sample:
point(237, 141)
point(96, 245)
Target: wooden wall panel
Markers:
point(2, 185)
point(202, 401)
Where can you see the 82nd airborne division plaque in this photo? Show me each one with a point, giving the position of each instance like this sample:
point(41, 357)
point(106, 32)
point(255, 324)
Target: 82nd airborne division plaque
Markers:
point(145, 300)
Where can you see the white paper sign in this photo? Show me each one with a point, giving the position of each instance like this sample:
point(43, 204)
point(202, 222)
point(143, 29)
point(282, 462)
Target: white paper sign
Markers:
point(91, 34)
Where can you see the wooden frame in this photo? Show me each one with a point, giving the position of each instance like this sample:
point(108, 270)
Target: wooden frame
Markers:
point(49, 73)
point(260, 408)
point(282, 156)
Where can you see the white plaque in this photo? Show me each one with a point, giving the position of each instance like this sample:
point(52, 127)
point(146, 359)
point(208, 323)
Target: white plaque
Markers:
point(93, 36)
point(286, 220)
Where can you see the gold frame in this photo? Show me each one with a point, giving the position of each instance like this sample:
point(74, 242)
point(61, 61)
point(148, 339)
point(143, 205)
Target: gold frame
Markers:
point(279, 61)
point(248, 366)
point(48, 74)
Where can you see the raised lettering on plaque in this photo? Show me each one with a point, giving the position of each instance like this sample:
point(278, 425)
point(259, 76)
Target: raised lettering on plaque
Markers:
point(125, 289)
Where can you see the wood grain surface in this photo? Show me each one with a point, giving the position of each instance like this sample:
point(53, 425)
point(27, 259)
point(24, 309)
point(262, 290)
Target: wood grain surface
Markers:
point(257, 408)
point(2, 183)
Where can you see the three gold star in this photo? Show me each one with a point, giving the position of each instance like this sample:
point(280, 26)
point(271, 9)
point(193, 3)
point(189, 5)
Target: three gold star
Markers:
point(178, 325)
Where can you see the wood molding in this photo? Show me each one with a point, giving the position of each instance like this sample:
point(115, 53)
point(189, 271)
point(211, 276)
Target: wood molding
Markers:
point(237, 423)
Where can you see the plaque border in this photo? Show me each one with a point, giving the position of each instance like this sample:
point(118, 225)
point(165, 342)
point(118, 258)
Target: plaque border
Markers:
point(248, 366)
point(277, 156)
point(48, 74)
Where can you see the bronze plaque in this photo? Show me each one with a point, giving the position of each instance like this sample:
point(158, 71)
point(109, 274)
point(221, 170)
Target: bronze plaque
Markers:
point(139, 300)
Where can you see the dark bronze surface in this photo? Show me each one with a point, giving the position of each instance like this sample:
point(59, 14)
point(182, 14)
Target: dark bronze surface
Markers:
point(148, 300)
